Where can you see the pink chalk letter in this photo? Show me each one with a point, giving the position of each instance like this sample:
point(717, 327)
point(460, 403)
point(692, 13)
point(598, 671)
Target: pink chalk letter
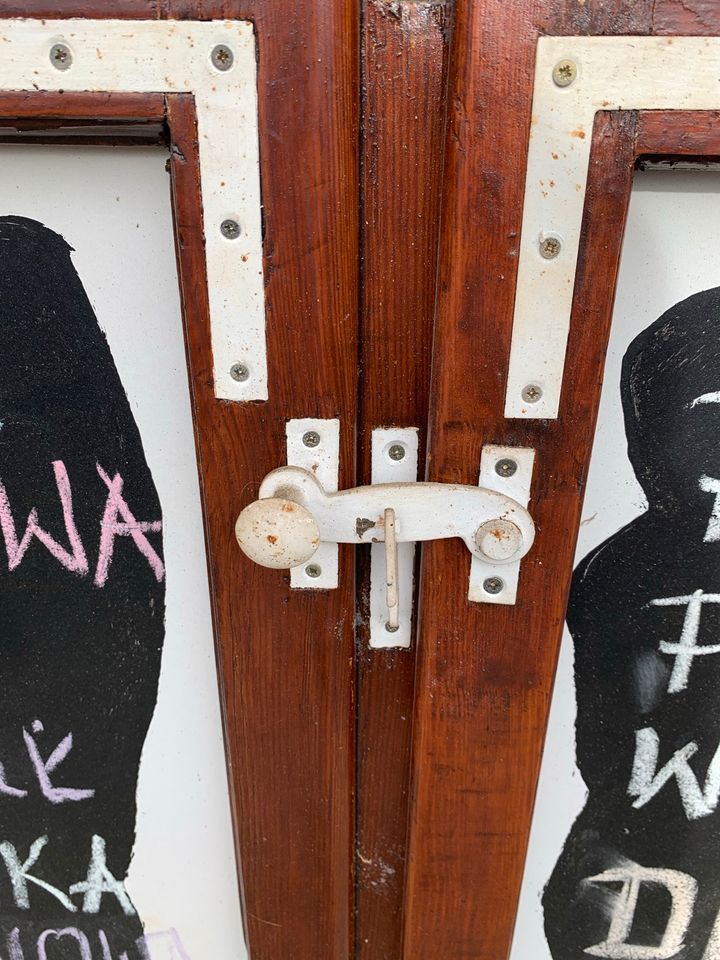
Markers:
point(110, 528)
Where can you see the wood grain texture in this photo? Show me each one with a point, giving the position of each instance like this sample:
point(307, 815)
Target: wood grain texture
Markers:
point(485, 673)
point(286, 658)
point(404, 66)
point(681, 133)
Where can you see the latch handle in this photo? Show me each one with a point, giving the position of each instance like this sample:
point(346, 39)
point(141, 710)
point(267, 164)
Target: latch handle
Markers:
point(294, 514)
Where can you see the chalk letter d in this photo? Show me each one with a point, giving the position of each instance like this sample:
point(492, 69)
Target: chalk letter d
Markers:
point(682, 889)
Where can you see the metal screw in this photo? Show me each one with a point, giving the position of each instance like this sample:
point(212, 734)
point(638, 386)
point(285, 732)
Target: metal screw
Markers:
point(239, 372)
point(390, 628)
point(493, 585)
point(532, 393)
point(230, 229)
point(222, 57)
point(505, 467)
point(311, 438)
point(61, 56)
point(313, 570)
point(397, 452)
point(550, 247)
point(564, 73)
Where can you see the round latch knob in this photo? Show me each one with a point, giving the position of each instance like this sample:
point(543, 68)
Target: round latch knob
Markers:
point(499, 541)
point(277, 533)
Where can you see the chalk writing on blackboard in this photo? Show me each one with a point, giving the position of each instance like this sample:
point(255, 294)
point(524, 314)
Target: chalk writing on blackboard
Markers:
point(639, 875)
point(82, 583)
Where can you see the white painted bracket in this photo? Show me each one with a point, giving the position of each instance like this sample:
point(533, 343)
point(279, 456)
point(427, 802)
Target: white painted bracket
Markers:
point(389, 467)
point(502, 578)
point(300, 517)
point(169, 56)
point(322, 459)
point(575, 77)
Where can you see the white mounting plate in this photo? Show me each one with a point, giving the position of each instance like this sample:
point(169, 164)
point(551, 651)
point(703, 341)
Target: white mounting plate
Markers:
point(172, 56)
point(518, 487)
point(324, 462)
point(613, 73)
point(386, 470)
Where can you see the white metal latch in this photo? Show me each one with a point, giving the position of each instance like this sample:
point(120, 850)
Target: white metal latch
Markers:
point(294, 515)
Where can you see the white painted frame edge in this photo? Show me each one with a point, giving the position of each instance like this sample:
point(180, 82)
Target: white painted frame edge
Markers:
point(613, 73)
point(168, 56)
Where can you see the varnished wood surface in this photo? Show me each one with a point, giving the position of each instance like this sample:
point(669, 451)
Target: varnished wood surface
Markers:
point(285, 657)
point(43, 117)
point(688, 133)
point(485, 674)
point(404, 65)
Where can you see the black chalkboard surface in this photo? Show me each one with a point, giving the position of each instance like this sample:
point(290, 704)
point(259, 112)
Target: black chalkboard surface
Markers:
point(639, 876)
point(81, 614)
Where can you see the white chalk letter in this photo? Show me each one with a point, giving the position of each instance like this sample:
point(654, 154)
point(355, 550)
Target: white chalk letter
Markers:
point(687, 647)
point(711, 485)
point(683, 891)
point(99, 880)
point(19, 876)
point(85, 951)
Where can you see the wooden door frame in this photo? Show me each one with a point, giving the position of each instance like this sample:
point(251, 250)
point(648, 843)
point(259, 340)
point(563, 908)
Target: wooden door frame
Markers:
point(485, 673)
point(404, 69)
point(285, 658)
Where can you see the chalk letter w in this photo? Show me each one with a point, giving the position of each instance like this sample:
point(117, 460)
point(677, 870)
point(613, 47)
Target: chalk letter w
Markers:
point(646, 780)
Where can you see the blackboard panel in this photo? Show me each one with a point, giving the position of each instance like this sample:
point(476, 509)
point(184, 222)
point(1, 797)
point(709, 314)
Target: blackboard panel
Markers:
point(83, 591)
point(104, 610)
point(624, 851)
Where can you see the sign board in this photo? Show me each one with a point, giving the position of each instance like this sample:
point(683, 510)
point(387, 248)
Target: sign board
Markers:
point(115, 832)
point(622, 854)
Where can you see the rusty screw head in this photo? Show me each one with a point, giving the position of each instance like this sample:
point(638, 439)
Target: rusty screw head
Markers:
point(313, 570)
point(222, 57)
point(550, 247)
point(397, 452)
point(564, 73)
point(493, 585)
point(532, 393)
point(230, 229)
point(506, 467)
point(240, 372)
point(61, 56)
point(311, 438)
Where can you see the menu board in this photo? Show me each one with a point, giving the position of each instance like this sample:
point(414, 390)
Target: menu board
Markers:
point(623, 861)
point(115, 838)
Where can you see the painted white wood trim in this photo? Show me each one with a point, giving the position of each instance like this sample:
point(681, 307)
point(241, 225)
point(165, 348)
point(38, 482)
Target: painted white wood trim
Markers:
point(168, 56)
point(613, 73)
